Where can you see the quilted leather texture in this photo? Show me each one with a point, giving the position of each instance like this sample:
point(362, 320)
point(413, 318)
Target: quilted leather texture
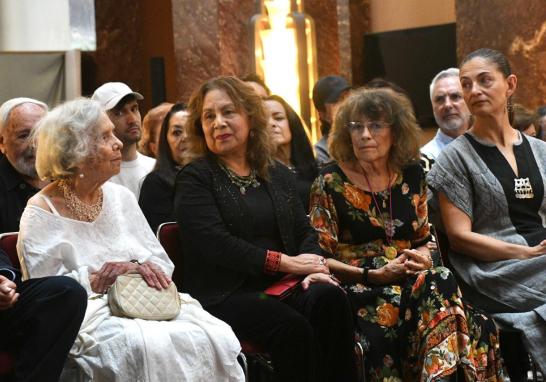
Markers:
point(130, 296)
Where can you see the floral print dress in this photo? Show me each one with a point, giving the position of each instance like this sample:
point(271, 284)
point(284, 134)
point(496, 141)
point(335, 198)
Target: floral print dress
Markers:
point(417, 331)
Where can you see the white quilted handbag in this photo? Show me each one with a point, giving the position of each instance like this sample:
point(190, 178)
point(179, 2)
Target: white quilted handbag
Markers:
point(130, 296)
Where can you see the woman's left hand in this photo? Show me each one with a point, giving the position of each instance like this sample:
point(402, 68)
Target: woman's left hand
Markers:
point(417, 260)
point(105, 277)
point(316, 278)
point(154, 276)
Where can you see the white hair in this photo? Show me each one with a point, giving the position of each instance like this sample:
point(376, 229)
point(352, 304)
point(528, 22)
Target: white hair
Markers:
point(451, 72)
point(66, 137)
point(11, 104)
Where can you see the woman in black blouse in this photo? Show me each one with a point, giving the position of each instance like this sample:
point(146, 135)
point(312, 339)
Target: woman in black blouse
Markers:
point(292, 147)
point(243, 226)
point(157, 191)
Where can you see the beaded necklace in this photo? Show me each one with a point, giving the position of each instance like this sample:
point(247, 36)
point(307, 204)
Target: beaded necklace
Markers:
point(243, 182)
point(80, 210)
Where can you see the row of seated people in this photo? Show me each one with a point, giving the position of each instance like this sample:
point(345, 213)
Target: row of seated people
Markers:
point(452, 105)
point(364, 259)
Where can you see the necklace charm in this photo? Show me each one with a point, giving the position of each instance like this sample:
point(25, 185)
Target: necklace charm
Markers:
point(242, 182)
point(523, 188)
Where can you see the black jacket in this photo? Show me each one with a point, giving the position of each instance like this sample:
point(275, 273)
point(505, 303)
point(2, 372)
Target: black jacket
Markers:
point(14, 195)
point(7, 270)
point(156, 200)
point(216, 228)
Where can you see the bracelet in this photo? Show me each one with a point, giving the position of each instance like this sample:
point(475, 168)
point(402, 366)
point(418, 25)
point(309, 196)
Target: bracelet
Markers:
point(272, 262)
point(135, 261)
point(365, 275)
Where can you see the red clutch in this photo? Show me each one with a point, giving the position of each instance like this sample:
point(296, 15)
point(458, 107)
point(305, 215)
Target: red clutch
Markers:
point(284, 287)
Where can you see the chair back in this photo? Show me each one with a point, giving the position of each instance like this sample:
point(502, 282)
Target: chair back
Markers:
point(169, 238)
point(8, 243)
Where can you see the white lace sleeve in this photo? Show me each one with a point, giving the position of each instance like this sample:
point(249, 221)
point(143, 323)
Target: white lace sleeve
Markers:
point(39, 255)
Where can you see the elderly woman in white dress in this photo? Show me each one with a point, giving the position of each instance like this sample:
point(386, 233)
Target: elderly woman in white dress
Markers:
point(84, 227)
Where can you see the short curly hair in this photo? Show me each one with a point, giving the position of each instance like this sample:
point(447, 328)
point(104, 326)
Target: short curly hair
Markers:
point(66, 137)
point(393, 108)
point(260, 147)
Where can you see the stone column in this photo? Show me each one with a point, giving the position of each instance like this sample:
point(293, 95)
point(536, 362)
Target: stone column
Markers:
point(119, 48)
point(210, 38)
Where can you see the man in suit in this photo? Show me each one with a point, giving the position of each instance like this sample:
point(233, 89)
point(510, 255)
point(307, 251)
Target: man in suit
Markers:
point(39, 319)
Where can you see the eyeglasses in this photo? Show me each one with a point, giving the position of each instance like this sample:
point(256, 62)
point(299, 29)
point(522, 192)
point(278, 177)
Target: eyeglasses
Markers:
point(374, 127)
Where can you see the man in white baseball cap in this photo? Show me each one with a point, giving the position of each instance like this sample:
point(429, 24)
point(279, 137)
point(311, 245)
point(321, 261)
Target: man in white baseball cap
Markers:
point(121, 106)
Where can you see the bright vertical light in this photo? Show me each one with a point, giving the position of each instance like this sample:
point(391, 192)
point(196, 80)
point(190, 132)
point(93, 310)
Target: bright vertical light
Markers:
point(285, 56)
point(280, 53)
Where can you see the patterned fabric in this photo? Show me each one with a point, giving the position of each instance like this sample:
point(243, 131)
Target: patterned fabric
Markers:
point(513, 290)
point(420, 330)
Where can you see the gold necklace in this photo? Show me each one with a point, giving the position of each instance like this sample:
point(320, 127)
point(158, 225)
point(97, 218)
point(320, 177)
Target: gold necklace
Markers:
point(80, 210)
point(243, 182)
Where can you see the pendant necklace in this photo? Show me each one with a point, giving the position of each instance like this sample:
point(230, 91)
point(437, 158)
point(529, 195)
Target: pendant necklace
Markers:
point(523, 188)
point(390, 251)
point(243, 182)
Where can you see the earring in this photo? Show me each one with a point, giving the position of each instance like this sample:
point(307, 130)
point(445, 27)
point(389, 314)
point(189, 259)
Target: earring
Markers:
point(251, 134)
point(81, 175)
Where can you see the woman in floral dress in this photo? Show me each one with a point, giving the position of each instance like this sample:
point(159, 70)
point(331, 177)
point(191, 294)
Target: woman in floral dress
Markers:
point(370, 209)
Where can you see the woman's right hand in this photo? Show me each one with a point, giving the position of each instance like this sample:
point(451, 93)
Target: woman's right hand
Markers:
point(318, 278)
point(303, 264)
point(394, 271)
point(537, 250)
point(103, 279)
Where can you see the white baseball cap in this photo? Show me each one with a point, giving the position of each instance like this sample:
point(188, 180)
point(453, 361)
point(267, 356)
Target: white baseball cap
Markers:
point(109, 94)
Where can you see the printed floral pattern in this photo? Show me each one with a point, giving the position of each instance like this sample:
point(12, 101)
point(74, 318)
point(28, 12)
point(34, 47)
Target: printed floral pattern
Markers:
point(420, 330)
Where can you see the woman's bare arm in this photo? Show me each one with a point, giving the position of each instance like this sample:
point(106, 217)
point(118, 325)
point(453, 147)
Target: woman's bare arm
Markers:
point(388, 274)
point(481, 247)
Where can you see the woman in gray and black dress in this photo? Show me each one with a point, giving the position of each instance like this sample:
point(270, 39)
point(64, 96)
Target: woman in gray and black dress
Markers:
point(490, 183)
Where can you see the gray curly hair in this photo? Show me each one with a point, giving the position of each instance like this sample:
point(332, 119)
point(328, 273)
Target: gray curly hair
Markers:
point(66, 138)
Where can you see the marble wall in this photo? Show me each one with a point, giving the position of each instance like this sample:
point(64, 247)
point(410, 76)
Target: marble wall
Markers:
point(119, 47)
point(209, 38)
point(515, 27)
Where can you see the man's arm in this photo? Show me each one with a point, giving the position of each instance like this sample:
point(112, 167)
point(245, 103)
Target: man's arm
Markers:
point(7, 270)
point(8, 294)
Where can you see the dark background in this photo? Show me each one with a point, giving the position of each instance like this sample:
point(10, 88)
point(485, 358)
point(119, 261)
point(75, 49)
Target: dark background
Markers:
point(411, 58)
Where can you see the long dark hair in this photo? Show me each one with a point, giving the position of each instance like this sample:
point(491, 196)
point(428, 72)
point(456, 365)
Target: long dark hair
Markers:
point(301, 151)
point(165, 166)
point(260, 146)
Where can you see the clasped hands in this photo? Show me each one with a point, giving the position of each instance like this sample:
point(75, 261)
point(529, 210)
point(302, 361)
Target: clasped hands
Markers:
point(314, 267)
point(407, 264)
point(8, 293)
point(102, 279)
